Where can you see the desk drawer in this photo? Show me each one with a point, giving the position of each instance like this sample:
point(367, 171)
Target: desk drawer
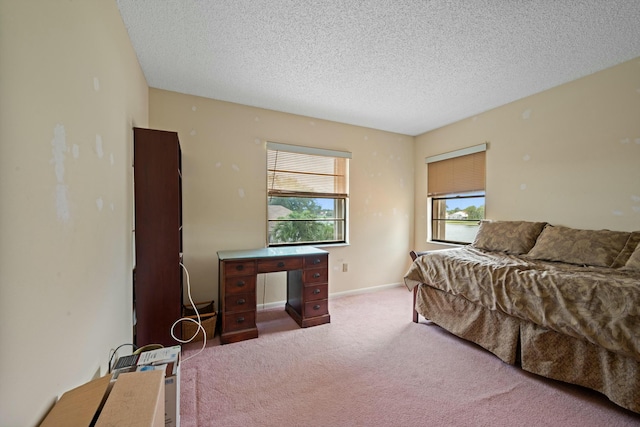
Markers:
point(316, 261)
point(279, 264)
point(240, 285)
point(316, 292)
point(315, 275)
point(239, 302)
point(239, 268)
point(316, 308)
point(239, 321)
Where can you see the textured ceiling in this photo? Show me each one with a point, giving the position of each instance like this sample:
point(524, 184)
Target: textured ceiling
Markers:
point(397, 65)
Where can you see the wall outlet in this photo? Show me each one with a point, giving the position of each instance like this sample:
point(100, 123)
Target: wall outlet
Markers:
point(345, 267)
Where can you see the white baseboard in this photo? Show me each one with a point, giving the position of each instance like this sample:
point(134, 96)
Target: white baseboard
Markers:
point(365, 290)
point(279, 304)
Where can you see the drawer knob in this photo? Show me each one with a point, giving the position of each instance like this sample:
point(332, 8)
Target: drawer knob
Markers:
point(241, 301)
point(316, 291)
point(240, 283)
point(316, 275)
point(240, 267)
point(316, 307)
point(281, 264)
point(240, 319)
point(317, 261)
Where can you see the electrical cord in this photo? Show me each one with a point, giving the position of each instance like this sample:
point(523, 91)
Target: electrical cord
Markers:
point(187, 319)
point(148, 347)
point(137, 350)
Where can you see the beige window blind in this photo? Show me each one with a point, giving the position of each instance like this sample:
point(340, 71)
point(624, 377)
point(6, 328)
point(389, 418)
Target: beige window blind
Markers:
point(310, 173)
point(460, 174)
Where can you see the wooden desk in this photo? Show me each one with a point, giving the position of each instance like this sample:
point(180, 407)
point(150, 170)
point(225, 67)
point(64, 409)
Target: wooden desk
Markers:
point(307, 287)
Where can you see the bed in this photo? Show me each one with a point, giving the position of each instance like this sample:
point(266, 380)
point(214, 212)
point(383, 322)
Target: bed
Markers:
point(559, 302)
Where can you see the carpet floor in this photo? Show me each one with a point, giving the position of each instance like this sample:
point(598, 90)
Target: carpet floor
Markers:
point(372, 366)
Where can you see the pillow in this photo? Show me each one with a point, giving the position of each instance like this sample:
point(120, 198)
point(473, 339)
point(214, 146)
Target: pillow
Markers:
point(511, 237)
point(633, 263)
point(628, 249)
point(584, 247)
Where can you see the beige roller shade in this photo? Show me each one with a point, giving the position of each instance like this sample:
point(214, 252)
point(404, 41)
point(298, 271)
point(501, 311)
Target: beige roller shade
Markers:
point(460, 174)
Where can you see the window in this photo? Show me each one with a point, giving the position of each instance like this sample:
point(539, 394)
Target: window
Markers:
point(456, 192)
point(307, 195)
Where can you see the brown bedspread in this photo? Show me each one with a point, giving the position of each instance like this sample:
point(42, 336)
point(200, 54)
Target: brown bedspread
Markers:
point(600, 305)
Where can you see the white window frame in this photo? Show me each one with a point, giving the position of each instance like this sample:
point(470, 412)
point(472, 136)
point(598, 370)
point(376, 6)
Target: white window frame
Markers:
point(342, 214)
point(430, 198)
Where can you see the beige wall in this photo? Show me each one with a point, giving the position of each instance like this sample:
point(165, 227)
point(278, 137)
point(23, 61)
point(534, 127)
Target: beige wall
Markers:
point(224, 189)
point(71, 91)
point(569, 156)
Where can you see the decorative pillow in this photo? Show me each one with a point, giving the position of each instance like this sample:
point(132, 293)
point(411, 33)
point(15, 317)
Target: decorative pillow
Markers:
point(583, 247)
point(634, 260)
point(623, 256)
point(511, 237)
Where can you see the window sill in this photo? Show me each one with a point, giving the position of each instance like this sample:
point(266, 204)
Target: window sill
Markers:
point(447, 244)
point(331, 245)
point(319, 245)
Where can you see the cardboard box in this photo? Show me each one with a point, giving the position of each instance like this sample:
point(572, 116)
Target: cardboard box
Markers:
point(79, 407)
point(135, 399)
point(168, 360)
point(172, 400)
point(129, 396)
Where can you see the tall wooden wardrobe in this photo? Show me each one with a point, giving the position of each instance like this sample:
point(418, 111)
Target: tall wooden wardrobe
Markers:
point(157, 284)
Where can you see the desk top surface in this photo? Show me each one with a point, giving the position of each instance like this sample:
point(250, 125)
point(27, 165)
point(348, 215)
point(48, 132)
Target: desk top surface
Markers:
point(270, 252)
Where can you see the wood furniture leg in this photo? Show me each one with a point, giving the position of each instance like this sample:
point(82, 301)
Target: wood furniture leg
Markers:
point(415, 312)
